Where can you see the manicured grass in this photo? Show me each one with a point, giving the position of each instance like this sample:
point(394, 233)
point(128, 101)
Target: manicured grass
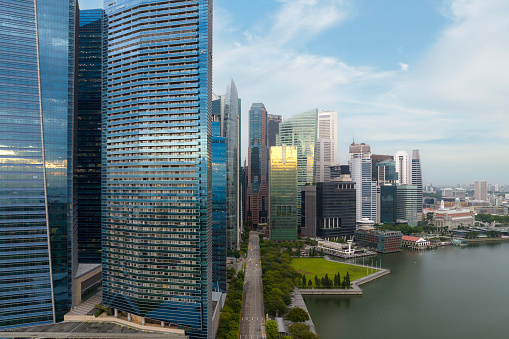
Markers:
point(319, 266)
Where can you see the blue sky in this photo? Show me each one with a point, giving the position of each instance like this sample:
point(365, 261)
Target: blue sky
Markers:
point(426, 74)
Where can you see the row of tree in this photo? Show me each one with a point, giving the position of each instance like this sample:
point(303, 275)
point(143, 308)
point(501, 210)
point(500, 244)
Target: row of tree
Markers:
point(229, 321)
point(326, 282)
point(503, 219)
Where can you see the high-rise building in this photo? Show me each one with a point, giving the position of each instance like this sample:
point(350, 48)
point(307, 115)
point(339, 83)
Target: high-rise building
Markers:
point(273, 128)
point(283, 193)
point(87, 175)
point(402, 167)
point(375, 159)
point(219, 207)
point(417, 181)
point(326, 145)
point(157, 202)
point(481, 190)
point(388, 204)
point(257, 185)
point(386, 172)
point(366, 189)
point(406, 197)
point(37, 112)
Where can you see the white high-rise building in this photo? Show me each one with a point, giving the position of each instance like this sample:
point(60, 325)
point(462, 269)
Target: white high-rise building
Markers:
point(402, 167)
point(366, 188)
point(326, 152)
point(481, 190)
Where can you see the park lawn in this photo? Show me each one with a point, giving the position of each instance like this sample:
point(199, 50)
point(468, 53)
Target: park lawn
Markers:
point(319, 266)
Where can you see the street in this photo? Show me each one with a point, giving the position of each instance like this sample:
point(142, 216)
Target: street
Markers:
point(252, 307)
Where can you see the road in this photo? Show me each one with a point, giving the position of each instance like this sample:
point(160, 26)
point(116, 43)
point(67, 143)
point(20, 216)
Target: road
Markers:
point(252, 306)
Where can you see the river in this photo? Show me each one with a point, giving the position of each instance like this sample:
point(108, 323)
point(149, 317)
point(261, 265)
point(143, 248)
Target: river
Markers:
point(458, 292)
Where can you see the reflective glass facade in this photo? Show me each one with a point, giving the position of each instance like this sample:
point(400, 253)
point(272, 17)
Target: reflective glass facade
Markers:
point(388, 204)
point(37, 228)
point(406, 196)
point(88, 157)
point(219, 207)
point(417, 181)
point(335, 212)
point(157, 210)
point(283, 193)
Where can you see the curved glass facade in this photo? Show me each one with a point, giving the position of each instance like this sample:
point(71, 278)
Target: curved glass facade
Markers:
point(157, 234)
point(37, 228)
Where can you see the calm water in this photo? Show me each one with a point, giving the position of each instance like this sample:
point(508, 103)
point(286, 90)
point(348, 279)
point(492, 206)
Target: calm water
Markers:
point(460, 292)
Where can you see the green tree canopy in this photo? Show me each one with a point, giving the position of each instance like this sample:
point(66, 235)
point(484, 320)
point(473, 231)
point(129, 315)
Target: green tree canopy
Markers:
point(297, 315)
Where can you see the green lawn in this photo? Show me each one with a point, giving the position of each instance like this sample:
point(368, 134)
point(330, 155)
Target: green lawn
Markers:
point(319, 266)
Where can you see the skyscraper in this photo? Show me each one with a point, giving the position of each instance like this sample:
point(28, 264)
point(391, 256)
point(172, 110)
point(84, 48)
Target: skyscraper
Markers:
point(37, 108)
point(481, 190)
point(326, 152)
point(283, 192)
point(402, 167)
point(386, 172)
point(257, 186)
point(366, 189)
point(88, 159)
point(417, 181)
point(273, 128)
point(157, 234)
point(406, 197)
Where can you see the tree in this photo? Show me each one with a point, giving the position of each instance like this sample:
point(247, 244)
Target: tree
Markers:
point(304, 280)
point(321, 252)
point(310, 283)
point(297, 315)
point(317, 281)
point(301, 331)
point(271, 329)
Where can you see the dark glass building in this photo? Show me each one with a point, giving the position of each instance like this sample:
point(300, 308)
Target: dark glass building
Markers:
point(375, 159)
point(88, 158)
point(388, 204)
point(157, 192)
point(37, 206)
point(273, 128)
point(335, 209)
point(219, 207)
point(258, 179)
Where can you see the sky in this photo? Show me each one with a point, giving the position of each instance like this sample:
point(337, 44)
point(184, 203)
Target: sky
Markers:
point(431, 75)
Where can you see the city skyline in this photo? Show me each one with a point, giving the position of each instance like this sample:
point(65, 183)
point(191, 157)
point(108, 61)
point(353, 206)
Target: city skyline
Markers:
point(440, 62)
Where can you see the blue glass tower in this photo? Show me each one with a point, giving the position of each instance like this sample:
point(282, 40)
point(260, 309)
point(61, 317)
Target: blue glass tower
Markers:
point(157, 211)
point(219, 206)
point(88, 159)
point(37, 224)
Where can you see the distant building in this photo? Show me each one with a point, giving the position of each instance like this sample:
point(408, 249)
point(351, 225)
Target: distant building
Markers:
point(481, 190)
point(388, 204)
point(366, 189)
point(407, 197)
point(283, 193)
point(417, 181)
point(453, 217)
point(402, 167)
point(376, 159)
point(382, 241)
point(414, 242)
point(308, 211)
point(447, 192)
point(496, 210)
point(326, 152)
point(273, 128)
point(386, 172)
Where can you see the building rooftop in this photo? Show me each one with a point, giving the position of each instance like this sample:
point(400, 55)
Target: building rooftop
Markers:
point(409, 238)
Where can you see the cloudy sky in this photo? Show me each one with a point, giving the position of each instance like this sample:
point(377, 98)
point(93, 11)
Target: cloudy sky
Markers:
point(431, 75)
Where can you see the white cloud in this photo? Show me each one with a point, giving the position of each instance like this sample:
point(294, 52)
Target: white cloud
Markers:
point(404, 67)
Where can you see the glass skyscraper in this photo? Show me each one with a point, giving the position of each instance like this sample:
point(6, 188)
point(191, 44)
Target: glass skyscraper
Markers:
point(417, 181)
point(366, 189)
point(88, 158)
point(37, 224)
point(157, 210)
point(283, 193)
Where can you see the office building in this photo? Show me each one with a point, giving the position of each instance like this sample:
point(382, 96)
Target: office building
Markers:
point(381, 241)
point(386, 172)
point(91, 60)
point(308, 211)
point(257, 181)
point(283, 193)
point(375, 159)
point(219, 207)
point(417, 181)
point(402, 167)
point(481, 190)
point(335, 213)
point(388, 204)
point(407, 197)
point(157, 202)
point(273, 128)
point(326, 144)
point(366, 189)
point(38, 208)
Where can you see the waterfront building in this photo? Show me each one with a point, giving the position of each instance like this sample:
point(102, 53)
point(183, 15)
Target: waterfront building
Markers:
point(38, 235)
point(453, 217)
point(326, 152)
point(283, 193)
point(415, 243)
point(91, 61)
point(402, 167)
point(366, 189)
point(273, 128)
point(417, 181)
point(382, 241)
point(226, 112)
point(407, 197)
point(257, 181)
point(376, 159)
point(388, 204)
point(157, 208)
point(481, 190)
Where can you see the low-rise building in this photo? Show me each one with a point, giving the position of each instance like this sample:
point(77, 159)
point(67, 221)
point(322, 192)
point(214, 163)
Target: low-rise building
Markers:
point(453, 217)
point(382, 241)
point(414, 242)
